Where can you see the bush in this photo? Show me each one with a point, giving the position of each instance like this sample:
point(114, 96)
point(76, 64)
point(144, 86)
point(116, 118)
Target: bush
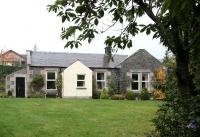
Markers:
point(5, 70)
point(3, 95)
point(117, 97)
point(37, 82)
point(144, 95)
point(112, 86)
point(95, 94)
point(177, 116)
point(2, 86)
point(111, 90)
point(9, 93)
point(130, 95)
point(104, 94)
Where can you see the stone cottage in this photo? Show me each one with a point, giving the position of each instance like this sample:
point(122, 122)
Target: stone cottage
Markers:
point(79, 70)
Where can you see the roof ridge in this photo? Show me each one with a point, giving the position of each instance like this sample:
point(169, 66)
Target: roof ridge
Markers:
point(11, 51)
point(52, 52)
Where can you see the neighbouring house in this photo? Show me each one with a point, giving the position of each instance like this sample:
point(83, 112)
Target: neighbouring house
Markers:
point(12, 58)
point(79, 70)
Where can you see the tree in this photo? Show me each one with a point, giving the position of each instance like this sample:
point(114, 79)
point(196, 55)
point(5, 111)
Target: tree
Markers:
point(158, 83)
point(176, 27)
point(175, 23)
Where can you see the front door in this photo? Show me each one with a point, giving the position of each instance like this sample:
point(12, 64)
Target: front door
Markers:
point(20, 86)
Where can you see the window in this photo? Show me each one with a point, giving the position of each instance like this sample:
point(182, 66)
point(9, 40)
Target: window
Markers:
point(135, 81)
point(140, 80)
point(80, 80)
point(51, 80)
point(145, 80)
point(101, 81)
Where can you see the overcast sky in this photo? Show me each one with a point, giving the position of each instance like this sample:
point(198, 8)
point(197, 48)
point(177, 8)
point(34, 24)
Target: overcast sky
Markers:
point(24, 23)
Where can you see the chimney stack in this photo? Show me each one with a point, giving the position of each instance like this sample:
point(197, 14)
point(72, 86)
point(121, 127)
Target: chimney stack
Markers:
point(108, 50)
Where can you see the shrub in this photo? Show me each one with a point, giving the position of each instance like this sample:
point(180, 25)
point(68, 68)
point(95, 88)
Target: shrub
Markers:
point(5, 70)
point(173, 119)
point(112, 86)
point(158, 94)
point(9, 93)
point(95, 92)
point(37, 82)
point(104, 94)
point(111, 90)
point(117, 97)
point(2, 86)
point(3, 95)
point(144, 95)
point(159, 84)
point(130, 95)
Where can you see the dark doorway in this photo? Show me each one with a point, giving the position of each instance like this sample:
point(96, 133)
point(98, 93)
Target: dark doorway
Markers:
point(20, 87)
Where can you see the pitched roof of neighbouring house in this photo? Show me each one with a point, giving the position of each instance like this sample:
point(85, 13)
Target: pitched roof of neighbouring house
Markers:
point(142, 59)
point(11, 51)
point(11, 56)
point(56, 59)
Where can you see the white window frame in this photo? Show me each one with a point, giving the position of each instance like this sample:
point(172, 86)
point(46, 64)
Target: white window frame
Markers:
point(51, 79)
point(138, 81)
point(80, 81)
point(101, 80)
point(146, 81)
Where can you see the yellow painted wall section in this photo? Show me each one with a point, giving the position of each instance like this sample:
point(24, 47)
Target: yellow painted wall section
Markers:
point(70, 88)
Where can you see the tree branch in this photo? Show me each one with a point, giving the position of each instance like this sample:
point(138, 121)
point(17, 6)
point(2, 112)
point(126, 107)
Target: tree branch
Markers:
point(108, 27)
point(164, 33)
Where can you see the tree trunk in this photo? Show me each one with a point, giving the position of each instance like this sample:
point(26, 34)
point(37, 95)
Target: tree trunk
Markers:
point(184, 79)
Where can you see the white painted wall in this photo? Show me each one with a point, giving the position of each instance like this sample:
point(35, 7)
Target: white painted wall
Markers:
point(70, 81)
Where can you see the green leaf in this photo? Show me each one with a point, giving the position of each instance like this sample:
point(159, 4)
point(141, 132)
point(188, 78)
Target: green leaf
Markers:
point(64, 17)
point(148, 31)
point(156, 35)
point(140, 11)
point(80, 9)
point(112, 10)
point(165, 6)
point(77, 20)
point(101, 13)
point(143, 29)
point(96, 22)
point(76, 45)
point(71, 14)
point(129, 45)
point(121, 20)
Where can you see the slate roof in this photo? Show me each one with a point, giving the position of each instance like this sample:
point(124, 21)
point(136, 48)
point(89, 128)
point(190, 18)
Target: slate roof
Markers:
point(56, 59)
point(142, 59)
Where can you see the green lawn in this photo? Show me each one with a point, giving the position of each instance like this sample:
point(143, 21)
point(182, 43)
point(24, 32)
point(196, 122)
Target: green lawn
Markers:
point(75, 118)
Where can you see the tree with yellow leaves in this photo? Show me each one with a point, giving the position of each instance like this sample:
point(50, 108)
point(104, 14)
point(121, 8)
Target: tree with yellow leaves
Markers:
point(158, 84)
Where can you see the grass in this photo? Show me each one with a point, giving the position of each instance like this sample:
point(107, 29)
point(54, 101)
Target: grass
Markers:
point(75, 118)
